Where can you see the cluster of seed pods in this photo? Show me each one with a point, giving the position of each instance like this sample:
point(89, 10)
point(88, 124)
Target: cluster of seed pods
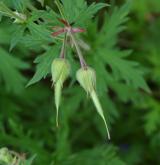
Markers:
point(86, 75)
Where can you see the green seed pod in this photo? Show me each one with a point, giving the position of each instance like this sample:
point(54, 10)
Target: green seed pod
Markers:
point(87, 79)
point(60, 70)
point(5, 156)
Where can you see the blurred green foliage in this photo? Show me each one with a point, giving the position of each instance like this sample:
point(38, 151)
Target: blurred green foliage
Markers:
point(121, 43)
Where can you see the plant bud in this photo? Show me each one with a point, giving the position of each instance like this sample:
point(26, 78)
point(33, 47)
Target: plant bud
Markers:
point(60, 70)
point(22, 19)
point(5, 156)
point(87, 79)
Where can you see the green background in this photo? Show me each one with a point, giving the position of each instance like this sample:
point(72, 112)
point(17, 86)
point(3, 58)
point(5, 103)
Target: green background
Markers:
point(27, 115)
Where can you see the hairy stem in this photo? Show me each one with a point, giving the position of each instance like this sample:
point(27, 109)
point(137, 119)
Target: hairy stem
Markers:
point(82, 61)
point(62, 54)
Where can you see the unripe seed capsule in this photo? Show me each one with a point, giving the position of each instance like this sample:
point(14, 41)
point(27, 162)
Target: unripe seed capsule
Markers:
point(87, 79)
point(60, 70)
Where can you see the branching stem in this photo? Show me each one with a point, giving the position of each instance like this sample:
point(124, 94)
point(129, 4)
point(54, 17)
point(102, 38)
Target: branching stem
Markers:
point(82, 61)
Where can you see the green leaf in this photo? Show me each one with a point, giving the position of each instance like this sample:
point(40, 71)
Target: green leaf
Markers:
point(113, 25)
point(152, 121)
point(8, 12)
point(40, 32)
point(5, 31)
point(30, 160)
point(73, 9)
point(19, 5)
point(88, 13)
point(126, 70)
point(17, 36)
point(9, 71)
point(43, 65)
point(5, 10)
point(48, 16)
point(101, 155)
point(39, 35)
point(78, 12)
point(126, 92)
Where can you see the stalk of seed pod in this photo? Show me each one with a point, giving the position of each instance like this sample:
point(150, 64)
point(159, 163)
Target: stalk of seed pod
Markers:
point(79, 53)
point(87, 79)
point(60, 70)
